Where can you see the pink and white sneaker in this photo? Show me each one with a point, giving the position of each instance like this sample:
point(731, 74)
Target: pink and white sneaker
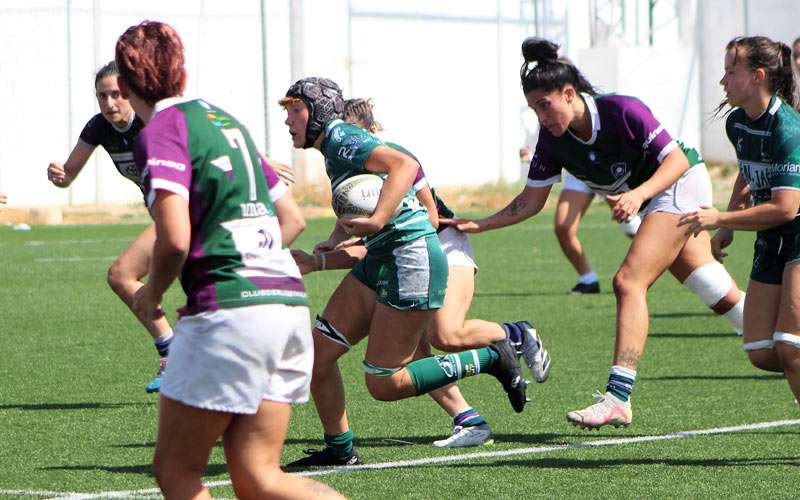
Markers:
point(607, 410)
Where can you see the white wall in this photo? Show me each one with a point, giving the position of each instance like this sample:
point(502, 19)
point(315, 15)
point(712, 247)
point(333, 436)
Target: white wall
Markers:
point(444, 74)
point(718, 22)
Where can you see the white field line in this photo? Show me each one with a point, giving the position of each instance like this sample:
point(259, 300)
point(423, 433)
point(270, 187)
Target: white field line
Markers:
point(154, 492)
point(72, 259)
point(40, 243)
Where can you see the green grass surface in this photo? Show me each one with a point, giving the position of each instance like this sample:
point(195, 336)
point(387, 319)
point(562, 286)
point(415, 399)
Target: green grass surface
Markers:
point(75, 417)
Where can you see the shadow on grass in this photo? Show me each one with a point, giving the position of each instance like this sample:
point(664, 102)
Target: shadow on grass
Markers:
point(151, 444)
point(681, 314)
point(70, 406)
point(524, 439)
point(716, 377)
point(144, 469)
point(571, 463)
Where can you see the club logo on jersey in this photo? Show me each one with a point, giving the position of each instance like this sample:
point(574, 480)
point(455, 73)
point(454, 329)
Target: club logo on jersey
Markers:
point(739, 144)
point(219, 121)
point(592, 157)
point(337, 135)
point(619, 169)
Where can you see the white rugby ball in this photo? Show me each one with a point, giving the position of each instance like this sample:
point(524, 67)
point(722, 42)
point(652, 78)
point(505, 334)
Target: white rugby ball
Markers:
point(357, 196)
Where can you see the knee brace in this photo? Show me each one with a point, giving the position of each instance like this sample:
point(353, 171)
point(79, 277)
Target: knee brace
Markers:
point(377, 371)
point(758, 344)
point(787, 338)
point(330, 332)
point(711, 282)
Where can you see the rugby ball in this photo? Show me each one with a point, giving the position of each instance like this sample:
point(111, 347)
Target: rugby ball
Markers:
point(357, 196)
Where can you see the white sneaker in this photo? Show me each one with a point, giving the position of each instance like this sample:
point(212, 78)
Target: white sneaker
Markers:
point(607, 410)
point(475, 435)
point(536, 356)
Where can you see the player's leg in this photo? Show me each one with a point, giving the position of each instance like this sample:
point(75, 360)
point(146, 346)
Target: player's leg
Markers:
point(416, 279)
point(124, 277)
point(343, 323)
point(469, 428)
point(572, 204)
point(185, 437)
point(760, 317)
point(696, 269)
point(787, 332)
point(252, 451)
point(450, 331)
point(655, 247)
point(253, 442)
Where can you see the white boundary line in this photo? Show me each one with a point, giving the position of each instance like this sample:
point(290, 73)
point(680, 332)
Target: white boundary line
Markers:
point(154, 492)
point(73, 259)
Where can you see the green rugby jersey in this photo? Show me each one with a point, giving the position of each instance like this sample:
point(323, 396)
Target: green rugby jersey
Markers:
point(346, 149)
point(768, 152)
point(236, 255)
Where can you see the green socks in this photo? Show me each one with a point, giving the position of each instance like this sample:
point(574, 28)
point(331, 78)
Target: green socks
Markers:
point(341, 444)
point(431, 373)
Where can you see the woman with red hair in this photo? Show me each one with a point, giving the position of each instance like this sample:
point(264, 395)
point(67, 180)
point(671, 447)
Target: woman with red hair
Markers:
point(222, 219)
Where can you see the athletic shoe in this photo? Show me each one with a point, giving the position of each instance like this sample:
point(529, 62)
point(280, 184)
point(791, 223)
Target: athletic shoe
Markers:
point(532, 349)
point(585, 288)
point(607, 410)
point(155, 384)
point(474, 435)
point(509, 373)
point(325, 457)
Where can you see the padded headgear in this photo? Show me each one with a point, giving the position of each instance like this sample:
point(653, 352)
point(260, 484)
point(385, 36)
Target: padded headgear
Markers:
point(324, 100)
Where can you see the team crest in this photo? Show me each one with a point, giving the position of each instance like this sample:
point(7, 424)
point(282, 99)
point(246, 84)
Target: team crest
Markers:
point(618, 169)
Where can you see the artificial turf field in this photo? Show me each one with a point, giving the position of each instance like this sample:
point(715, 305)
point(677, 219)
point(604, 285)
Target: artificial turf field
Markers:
point(75, 420)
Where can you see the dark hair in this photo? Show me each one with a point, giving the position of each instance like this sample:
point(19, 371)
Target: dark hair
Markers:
point(361, 110)
point(150, 61)
point(775, 58)
point(550, 73)
point(109, 69)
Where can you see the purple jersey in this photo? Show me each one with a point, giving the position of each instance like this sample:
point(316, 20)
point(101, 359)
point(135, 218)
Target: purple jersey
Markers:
point(118, 143)
point(236, 257)
point(626, 147)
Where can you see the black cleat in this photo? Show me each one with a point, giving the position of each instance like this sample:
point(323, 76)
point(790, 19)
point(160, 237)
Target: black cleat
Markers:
point(585, 288)
point(324, 457)
point(508, 372)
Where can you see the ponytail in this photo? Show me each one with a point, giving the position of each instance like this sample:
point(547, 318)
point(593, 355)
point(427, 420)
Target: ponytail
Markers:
point(550, 72)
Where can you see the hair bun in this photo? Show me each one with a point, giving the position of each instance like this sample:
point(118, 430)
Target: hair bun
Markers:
point(539, 50)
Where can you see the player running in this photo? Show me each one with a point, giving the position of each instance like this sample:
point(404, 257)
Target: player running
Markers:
point(449, 330)
point(616, 146)
point(242, 353)
point(115, 128)
point(764, 128)
point(390, 295)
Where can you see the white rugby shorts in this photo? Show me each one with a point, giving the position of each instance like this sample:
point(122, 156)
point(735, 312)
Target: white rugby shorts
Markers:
point(228, 360)
point(571, 183)
point(457, 248)
point(691, 191)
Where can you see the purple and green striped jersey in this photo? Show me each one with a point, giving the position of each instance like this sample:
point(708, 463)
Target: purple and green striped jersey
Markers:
point(346, 149)
point(768, 151)
point(117, 142)
point(236, 257)
point(626, 147)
